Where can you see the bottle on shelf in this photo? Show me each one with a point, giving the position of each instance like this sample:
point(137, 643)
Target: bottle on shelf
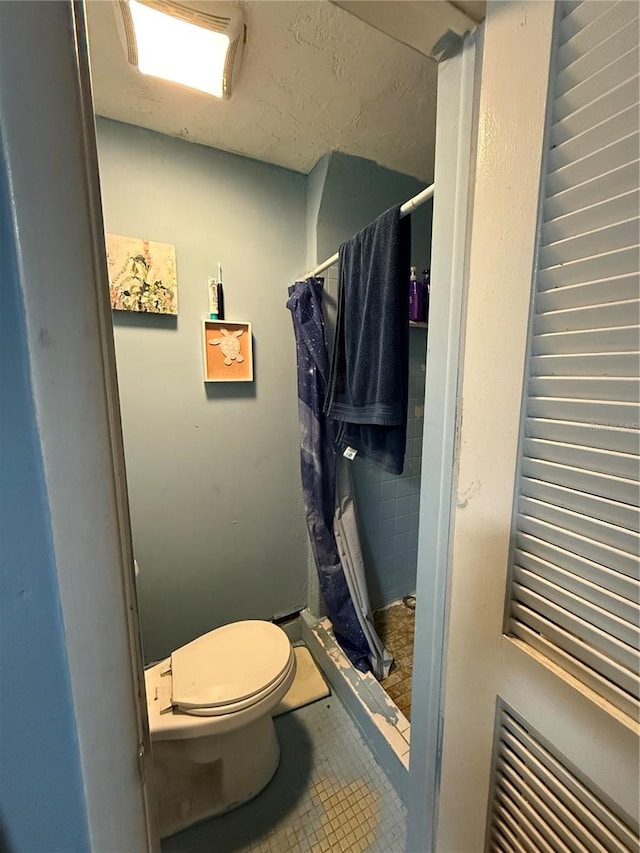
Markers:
point(415, 297)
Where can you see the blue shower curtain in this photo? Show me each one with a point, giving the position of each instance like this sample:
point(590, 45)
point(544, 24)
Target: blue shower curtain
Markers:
point(318, 464)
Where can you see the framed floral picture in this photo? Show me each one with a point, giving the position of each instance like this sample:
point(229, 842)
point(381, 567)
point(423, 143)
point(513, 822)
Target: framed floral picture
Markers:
point(142, 275)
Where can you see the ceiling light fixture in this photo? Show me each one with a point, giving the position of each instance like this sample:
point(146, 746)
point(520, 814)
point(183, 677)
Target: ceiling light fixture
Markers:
point(197, 45)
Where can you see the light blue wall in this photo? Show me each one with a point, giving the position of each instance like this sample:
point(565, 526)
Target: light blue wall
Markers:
point(214, 472)
point(315, 189)
point(354, 192)
point(42, 804)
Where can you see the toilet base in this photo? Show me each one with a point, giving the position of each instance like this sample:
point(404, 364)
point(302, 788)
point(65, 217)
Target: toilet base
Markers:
point(199, 778)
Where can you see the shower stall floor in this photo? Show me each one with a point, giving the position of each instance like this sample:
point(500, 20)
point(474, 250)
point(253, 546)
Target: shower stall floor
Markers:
point(395, 626)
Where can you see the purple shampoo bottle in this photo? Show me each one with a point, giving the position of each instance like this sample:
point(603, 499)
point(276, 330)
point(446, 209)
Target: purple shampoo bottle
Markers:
point(415, 297)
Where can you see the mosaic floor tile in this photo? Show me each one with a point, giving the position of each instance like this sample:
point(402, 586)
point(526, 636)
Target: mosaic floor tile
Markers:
point(328, 796)
point(396, 626)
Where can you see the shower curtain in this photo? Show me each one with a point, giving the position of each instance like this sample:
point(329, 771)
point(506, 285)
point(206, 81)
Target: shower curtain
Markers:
point(351, 624)
point(345, 528)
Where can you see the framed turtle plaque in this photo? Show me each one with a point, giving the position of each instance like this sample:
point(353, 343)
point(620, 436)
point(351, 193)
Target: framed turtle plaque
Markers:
point(228, 354)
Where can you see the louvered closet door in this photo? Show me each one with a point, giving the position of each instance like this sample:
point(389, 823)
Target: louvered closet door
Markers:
point(542, 804)
point(540, 735)
point(574, 590)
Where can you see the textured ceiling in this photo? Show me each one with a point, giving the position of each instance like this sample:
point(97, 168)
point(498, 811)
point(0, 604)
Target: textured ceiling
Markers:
point(313, 79)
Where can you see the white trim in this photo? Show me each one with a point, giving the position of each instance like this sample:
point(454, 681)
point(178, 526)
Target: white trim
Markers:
point(453, 171)
point(49, 145)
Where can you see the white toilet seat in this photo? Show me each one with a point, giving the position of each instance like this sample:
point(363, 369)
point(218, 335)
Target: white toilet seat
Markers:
point(168, 722)
point(243, 704)
point(230, 669)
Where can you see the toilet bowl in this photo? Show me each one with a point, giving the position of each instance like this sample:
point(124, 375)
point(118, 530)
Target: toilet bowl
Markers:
point(210, 705)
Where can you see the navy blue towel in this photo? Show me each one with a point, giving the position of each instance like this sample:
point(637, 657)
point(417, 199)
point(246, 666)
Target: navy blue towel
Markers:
point(368, 383)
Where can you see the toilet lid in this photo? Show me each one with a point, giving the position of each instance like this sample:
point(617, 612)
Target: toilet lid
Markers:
point(228, 665)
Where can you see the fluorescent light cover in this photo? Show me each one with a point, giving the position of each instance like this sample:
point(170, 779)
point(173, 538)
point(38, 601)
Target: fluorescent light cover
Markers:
point(178, 51)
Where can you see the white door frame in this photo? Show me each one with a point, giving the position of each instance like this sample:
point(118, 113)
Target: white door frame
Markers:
point(458, 80)
point(48, 141)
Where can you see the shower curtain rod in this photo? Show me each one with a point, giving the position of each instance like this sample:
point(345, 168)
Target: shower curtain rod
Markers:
point(405, 210)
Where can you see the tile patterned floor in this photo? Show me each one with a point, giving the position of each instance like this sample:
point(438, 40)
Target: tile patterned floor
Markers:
point(328, 796)
point(396, 625)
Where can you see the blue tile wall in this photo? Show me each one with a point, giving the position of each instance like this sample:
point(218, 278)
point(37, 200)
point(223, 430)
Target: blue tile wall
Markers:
point(387, 504)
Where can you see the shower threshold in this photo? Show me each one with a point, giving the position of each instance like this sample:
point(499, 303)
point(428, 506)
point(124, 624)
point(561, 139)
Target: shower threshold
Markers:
point(382, 724)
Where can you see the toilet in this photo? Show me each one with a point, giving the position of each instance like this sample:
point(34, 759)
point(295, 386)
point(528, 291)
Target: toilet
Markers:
point(210, 716)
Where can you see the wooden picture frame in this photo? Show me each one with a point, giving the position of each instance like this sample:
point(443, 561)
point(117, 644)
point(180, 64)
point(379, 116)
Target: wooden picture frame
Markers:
point(228, 351)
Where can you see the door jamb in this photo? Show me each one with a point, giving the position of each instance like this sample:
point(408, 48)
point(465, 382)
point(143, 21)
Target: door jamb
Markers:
point(458, 84)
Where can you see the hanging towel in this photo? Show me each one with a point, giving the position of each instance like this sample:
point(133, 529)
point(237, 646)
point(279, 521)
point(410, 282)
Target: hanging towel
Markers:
point(368, 383)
